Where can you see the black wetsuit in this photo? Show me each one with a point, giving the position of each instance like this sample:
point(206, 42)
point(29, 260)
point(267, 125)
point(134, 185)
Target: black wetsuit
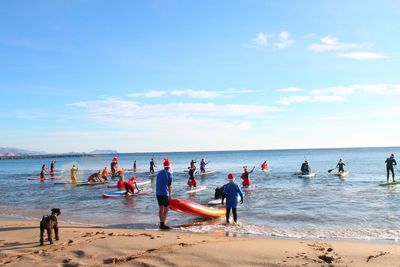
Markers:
point(340, 166)
point(390, 162)
point(152, 166)
point(305, 169)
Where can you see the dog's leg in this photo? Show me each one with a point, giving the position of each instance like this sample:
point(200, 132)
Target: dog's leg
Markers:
point(41, 234)
point(49, 235)
point(56, 231)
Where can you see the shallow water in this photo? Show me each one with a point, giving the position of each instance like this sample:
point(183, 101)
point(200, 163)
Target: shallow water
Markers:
point(282, 205)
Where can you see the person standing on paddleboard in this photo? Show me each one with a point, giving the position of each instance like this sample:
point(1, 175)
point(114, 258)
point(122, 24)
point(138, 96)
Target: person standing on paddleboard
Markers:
point(164, 192)
point(246, 177)
point(134, 165)
point(43, 171)
point(203, 166)
point(152, 165)
point(390, 162)
point(264, 166)
point(305, 168)
point(340, 165)
point(192, 169)
point(231, 191)
point(74, 172)
point(52, 167)
point(114, 166)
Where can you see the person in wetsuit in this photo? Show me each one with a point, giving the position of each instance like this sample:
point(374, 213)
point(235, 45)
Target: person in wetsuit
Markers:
point(203, 166)
point(152, 165)
point(232, 191)
point(192, 169)
point(305, 168)
point(390, 162)
point(340, 166)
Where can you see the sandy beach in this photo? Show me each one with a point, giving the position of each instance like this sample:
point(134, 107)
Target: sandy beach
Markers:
point(91, 246)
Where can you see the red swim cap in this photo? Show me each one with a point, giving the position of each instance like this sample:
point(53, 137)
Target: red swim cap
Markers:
point(167, 163)
point(120, 171)
point(133, 178)
point(231, 177)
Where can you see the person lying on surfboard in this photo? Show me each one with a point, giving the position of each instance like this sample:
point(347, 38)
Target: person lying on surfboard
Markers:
point(95, 178)
point(340, 165)
point(231, 191)
point(264, 166)
point(305, 168)
point(192, 181)
point(246, 176)
point(130, 185)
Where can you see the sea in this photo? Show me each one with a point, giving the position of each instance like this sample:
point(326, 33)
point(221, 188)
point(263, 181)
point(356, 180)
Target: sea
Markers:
point(282, 205)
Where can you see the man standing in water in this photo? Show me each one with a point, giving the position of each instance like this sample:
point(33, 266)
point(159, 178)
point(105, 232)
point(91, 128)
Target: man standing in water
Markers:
point(390, 162)
point(164, 192)
point(152, 165)
point(74, 171)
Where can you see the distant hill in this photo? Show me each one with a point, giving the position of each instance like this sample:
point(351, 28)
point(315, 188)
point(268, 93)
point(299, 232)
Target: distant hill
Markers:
point(12, 151)
point(104, 151)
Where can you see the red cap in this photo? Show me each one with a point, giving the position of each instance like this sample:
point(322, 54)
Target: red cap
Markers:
point(167, 163)
point(231, 177)
point(120, 171)
point(115, 159)
point(133, 178)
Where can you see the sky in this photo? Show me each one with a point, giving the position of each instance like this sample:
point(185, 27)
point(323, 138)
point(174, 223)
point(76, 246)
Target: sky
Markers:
point(148, 76)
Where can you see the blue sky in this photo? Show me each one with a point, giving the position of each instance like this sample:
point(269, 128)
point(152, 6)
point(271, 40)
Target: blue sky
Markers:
point(140, 76)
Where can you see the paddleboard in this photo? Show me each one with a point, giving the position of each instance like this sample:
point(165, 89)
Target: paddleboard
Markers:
point(196, 209)
point(342, 174)
point(44, 179)
point(122, 193)
point(198, 189)
point(216, 202)
point(248, 188)
point(81, 183)
point(152, 175)
point(390, 184)
point(310, 175)
point(206, 172)
point(138, 183)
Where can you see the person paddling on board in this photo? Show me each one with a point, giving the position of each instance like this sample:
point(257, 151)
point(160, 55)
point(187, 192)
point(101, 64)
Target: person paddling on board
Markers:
point(264, 166)
point(130, 186)
point(114, 166)
point(340, 166)
point(152, 165)
point(43, 171)
point(246, 177)
point(74, 172)
point(232, 191)
point(52, 167)
point(192, 181)
point(305, 168)
point(95, 177)
point(134, 166)
point(104, 174)
point(203, 166)
point(390, 162)
point(164, 192)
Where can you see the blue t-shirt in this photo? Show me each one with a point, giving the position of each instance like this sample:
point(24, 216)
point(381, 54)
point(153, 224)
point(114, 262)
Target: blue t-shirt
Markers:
point(164, 179)
point(232, 190)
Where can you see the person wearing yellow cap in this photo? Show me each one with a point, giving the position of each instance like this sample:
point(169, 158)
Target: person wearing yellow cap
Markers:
point(232, 190)
point(164, 193)
point(74, 172)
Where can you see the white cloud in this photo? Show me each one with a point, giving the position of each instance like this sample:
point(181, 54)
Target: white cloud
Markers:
point(261, 39)
point(361, 55)
point(331, 43)
point(288, 100)
point(291, 90)
point(150, 94)
point(195, 93)
point(284, 40)
point(338, 93)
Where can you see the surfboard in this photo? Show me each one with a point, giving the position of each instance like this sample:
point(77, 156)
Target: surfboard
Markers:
point(196, 209)
point(152, 175)
point(138, 183)
point(390, 184)
point(82, 183)
point(310, 175)
point(198, 189)
point(122, 193)
point(44, 179)
point(342, 174)
point(216, 202)
point(206, 172)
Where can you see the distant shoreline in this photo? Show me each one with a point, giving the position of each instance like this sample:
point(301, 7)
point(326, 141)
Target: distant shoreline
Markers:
point(44, 156)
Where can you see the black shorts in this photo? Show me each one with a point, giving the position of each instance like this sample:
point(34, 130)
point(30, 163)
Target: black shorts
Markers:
point(163, 200)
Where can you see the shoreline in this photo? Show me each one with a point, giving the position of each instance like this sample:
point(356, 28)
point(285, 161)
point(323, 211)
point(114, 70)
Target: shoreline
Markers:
point(99, 246)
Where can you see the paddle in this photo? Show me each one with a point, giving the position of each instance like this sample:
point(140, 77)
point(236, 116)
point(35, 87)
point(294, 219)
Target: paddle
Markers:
point(332, 169)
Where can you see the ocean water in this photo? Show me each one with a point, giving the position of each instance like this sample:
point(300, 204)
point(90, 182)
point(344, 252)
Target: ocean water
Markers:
point(282, 205)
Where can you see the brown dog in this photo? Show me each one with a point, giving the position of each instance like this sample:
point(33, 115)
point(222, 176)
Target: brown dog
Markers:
point(48, 223)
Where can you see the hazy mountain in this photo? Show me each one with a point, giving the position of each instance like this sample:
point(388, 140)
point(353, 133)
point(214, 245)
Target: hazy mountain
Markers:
point(16, 151)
